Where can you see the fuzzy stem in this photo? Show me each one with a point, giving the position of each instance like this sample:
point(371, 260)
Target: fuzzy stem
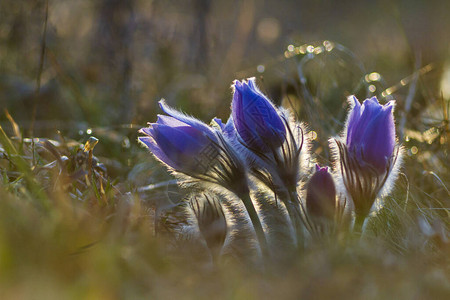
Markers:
point(293, 215)
point(245, 197)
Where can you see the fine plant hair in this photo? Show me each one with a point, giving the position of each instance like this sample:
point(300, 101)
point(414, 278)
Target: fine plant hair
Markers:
point(211, 221)
point(360, 181)
point(230, 219)
point(241, 244)
point(281, 237)
point(223, 168)
point(179, 229)
point(248, 186)
point(281, 169)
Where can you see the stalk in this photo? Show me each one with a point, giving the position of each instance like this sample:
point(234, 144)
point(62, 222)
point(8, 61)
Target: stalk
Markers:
point(359, 222)
point(292, 212)
point(254, 218)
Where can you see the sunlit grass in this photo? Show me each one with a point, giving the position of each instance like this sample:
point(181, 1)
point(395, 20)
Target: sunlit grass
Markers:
point(66, 231)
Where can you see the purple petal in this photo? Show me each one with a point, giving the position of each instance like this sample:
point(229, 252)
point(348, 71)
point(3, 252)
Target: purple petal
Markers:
point(182, 145)
point(181, 139)
point(380, 139)
point(321, 194)
point(255, 117)
point(320, 169)
point(153, 147)
point(229, 131)
point(219, 122)
point(147, 131)
point(186, 119)
point(371, 132)
point(369, 110)
point(353, 119)
point(169, 121)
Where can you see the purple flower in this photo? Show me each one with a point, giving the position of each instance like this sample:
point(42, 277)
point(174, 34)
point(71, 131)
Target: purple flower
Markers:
point(371, 132)
point(255, 117)
point(321, 195)
point(369, 159)
point(181, 142)
point(191, 147)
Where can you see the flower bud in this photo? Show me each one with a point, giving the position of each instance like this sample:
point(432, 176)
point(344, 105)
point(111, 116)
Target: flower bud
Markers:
point(255, 118)
point(371, 133)
point(368, 159)
point(321, 195)
point(183, 143)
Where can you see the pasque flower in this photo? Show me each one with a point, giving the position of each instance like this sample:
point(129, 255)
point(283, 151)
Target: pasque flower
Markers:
point(321, 195)
point(182, 143)
point(371, 133)
point(270, 140)
point(188, 146)
point(255, 117)
point(369, 159)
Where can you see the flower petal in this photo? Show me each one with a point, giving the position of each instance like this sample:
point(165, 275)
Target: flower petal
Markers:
point(371, 132)
point(169, 121)
point(153, 147)
point(321, 194)
point(353, 119)
point(188, 120)
point(219, 122)
point(380, 139)
point(181, 145)
point(255, 117)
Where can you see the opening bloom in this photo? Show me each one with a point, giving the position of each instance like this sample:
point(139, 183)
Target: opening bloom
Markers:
point(321, 195)
point(183, 143)
point(270, 140)
point(371, 132)
point(191, 147)
point(255, 117)
point(369, 159)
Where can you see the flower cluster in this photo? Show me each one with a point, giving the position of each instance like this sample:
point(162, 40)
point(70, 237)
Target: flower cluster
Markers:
point(263, 150)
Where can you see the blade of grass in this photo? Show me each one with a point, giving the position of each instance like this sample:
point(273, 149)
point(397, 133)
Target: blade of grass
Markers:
point(22, 166)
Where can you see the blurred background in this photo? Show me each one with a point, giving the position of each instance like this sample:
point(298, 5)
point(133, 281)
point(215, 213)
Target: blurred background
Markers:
point(100, 66)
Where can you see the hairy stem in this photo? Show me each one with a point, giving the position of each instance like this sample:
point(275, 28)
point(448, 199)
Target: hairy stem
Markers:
point(293, 215)
point(245, 197)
